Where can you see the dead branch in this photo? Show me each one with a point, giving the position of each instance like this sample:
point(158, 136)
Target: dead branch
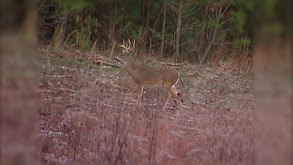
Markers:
point(105, 63)
point(60, 76)
point(69, 36)
point(172, 64)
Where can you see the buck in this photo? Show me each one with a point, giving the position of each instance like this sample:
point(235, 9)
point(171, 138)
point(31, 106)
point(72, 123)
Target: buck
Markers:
point(143, 74)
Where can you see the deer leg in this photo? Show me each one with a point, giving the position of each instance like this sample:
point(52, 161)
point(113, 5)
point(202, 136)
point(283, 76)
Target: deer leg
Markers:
point(177, 94)
point(169, 96)
point(139, 95)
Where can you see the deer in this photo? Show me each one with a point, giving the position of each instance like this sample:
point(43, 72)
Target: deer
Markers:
point(143, 74)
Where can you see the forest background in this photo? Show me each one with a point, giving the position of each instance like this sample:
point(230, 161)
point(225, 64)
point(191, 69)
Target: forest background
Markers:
point(185, 30)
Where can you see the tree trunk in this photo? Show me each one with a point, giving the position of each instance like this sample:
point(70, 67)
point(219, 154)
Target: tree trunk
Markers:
point(112, 30)
point(163, 31)
point(153, 30)
point(144, 24)
point(218, 17)
point(209, 46)
point(147, 25)
point(143, 13)
point(203, 40)
point(179, 25)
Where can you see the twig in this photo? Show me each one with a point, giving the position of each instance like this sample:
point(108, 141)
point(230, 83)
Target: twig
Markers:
point(172, 64)
point(226, 117)
point(92, 50)
point(48, 46)
point(106, 63)
point(44, 90)
point(49, 64)
point(213, 134)
point(45, 99)
point(112, 50)
point(65, 89)
point(186, 107)
point(60, 76)
point(69, 36)
point(89, 59)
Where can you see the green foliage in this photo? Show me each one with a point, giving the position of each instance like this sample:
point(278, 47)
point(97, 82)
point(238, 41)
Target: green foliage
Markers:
point(243, 14)
point(85, 28)
point(83, 39)
point(104, 21)
point(67, 6)
point(242, 41)
point(91, 22)
point(241, 20)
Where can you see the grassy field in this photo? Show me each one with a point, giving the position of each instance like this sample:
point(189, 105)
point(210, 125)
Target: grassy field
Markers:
point(87, 114)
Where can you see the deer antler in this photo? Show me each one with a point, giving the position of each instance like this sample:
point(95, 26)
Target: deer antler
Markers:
point(127, 48)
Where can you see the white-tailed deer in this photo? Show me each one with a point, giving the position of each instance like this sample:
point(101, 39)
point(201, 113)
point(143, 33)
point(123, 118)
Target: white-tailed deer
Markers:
point(143, 74)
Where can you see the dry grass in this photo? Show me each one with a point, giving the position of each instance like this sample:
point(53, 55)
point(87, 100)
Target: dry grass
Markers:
point(87, 118)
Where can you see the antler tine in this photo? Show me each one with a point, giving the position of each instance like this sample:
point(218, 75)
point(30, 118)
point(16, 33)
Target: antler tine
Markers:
point(127, 47)
point(133, 46)
point(129, 44)
point(122, 45)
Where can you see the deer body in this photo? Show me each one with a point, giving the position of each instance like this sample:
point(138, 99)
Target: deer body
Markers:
point(143, 74)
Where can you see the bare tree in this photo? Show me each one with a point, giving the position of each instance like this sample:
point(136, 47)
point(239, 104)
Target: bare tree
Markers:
point(153, 29)
point(163, 30)
point(112, 29)
point(179, 25)
point(219, 14)
point(145, 8)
